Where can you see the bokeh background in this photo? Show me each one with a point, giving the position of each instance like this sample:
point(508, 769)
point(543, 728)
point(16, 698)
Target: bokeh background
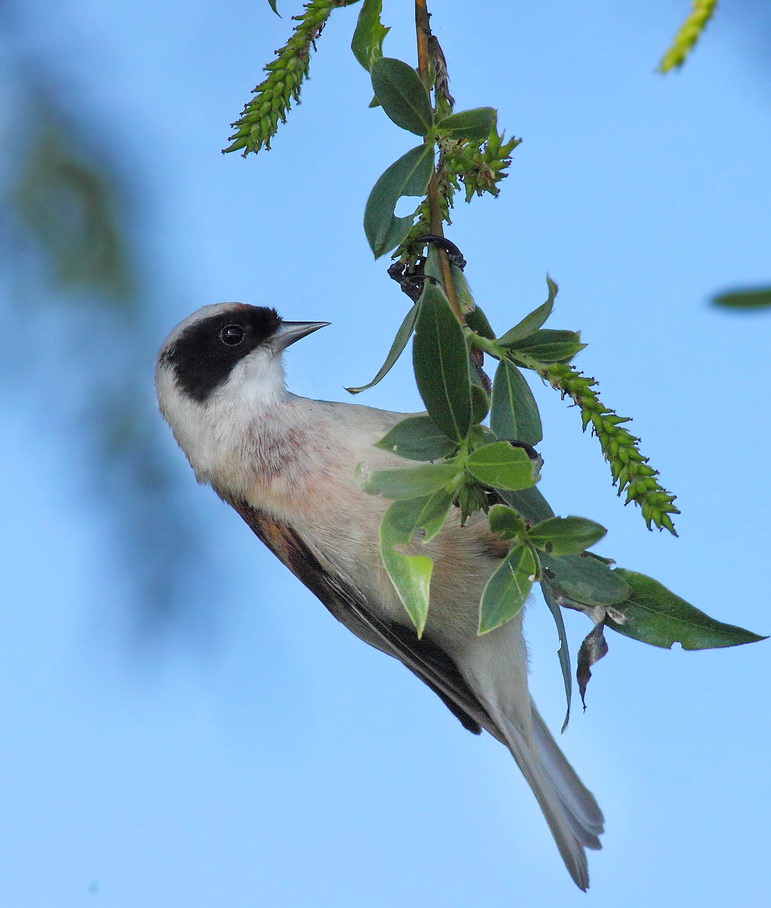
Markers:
point(182, 724)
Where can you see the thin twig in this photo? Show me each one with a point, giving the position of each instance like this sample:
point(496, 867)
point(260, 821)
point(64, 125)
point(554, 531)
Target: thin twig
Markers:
point(423, 33)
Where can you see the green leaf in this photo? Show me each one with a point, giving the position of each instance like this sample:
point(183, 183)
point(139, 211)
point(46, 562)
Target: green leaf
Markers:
point(463, 293)
point(417, 438)
point(759, 298)
point(548, 345)
point(411, 574)
point(563, 653)
point(398, 345)
point(440, 360)
point(414, 482)
point(272, 4)
point(480, 399)
point(408, 176)
point(508, 588)
point(530, 503)
point(585, 579)
point(477, 321)
point(655, 615)
point(514, 413)
point(533, 321)
point(501, 466)
point(505, 522)
point(480, 403)
point(402, 95)
point(565, 535)
point(367, 43)
point(473, 124)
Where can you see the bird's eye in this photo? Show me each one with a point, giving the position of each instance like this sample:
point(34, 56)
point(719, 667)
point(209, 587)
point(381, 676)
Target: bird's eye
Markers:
point(232, 335)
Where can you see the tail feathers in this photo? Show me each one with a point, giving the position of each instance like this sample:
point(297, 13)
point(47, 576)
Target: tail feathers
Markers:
point(570, 810)
point(576, 797)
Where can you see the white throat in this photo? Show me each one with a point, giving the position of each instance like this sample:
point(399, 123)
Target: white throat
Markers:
point(245, 434)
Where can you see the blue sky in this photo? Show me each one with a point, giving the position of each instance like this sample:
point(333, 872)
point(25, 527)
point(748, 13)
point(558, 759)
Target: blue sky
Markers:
point(280, 762)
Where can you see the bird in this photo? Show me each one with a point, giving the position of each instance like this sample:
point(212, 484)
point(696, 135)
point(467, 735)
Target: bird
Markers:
point(291, 467)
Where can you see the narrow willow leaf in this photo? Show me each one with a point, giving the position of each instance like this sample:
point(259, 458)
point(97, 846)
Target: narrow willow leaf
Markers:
point(505, 521)
point(501, 466)
point(408, 176)
point(548, 346)
point(534, 320)
point(414, 482)
point(432, 266)
point(402, 95)
point(367, 42)
point(514, 414)
point(563, 653)
point(398, 345)
point(657, 616)
point(480, 403)
point(480, 399)
point(440, 360)
point(530, 503)
point(477, 321)
point(744, 299)
point(507, 589)
point(585, 578)
point(470, 124)
point(417, 438)
point(566, 535)
point(593, 648)
point(411, 574)
point(463, 293)
point(273, 6)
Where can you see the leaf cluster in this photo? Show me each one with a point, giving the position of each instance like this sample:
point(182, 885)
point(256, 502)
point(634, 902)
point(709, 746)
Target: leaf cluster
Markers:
point(471, 152)
point(473, 450)
point(466, 466)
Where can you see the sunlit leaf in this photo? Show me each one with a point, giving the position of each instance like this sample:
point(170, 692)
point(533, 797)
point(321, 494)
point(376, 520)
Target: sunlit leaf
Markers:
point(413, 482)
point(402, 95)
point(507, 589)
point(408, 176)
point(398, 345)
point(501, 466)
point(367, 43)
point(417, 438)
point(411, 574)
point(566, 535)
point(655, 615)
point(534, 320)
point(440, 360)
point(514, 413)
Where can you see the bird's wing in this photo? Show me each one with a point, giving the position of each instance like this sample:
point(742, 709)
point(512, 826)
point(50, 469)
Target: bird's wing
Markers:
point(422, 656)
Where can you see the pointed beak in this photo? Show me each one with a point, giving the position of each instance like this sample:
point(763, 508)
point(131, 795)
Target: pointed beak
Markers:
point(289, 332)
